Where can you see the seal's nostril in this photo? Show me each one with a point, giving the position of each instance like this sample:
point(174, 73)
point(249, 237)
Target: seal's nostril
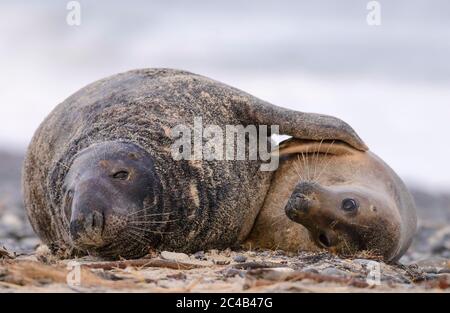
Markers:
point(95, 222)
point(324, 240)
point(90, 224)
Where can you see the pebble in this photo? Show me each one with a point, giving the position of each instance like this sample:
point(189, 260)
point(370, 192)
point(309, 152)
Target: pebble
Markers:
point(200, 255)
point(221, 262)
point(331, 271)
point(174, 256)
point(435, 265)
point(363, 262)
point(240, 258)
point(232, 272)
point(310, 270)
point(177, 276)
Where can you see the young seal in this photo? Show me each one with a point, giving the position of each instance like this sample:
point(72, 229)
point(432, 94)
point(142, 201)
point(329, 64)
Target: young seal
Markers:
point(100, 177)
point(329, 195)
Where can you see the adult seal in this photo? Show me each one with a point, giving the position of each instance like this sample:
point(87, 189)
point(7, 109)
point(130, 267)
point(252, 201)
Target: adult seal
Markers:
point(327, 195)
point(100, 177)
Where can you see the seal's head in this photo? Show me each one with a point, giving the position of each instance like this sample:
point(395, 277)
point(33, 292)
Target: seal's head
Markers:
point(350, 201)
point(109, 189)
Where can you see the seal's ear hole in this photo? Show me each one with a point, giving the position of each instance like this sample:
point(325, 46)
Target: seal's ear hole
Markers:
point(312, 147)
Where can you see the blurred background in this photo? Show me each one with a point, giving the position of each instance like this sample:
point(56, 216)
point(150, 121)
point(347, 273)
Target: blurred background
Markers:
point(390, 82)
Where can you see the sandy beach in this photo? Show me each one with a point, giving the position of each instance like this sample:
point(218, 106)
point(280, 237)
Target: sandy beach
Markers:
point(26, 266)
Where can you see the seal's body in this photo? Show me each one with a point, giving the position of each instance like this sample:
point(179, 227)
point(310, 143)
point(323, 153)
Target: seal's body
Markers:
point(100, 177)
point(326, 195)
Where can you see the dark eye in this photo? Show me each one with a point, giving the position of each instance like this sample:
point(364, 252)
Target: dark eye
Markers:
point(122, 175)
point(350, 205)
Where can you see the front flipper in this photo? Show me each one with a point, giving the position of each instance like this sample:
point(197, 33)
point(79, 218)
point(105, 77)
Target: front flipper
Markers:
point(309, 126)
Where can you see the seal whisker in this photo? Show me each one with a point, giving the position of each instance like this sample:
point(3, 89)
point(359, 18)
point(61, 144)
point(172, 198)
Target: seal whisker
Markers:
point(313, 159)
point(305, 166)
point(364, 226)
point(307, 163)
point(333, 224)
point(347, 246)
point(297, 169)
point(148, 215)
point(143, 218)
point(153, 222)
point(134, 234)
point(303, 170)
point(328, 162)
point(138, 237)
point(120, 242)
point(317, 160)
point(149, 230)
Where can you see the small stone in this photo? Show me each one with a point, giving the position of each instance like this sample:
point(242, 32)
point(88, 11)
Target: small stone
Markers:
point(177, 276)
point(240, 258)
point(221, 262)
point(174, 256)
point(330, 271)
point(310, 270)
point(444, 270)
point(200, 255)
point(363, 262)
point(434, 265)
point(232, 272)
point(430, 270)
